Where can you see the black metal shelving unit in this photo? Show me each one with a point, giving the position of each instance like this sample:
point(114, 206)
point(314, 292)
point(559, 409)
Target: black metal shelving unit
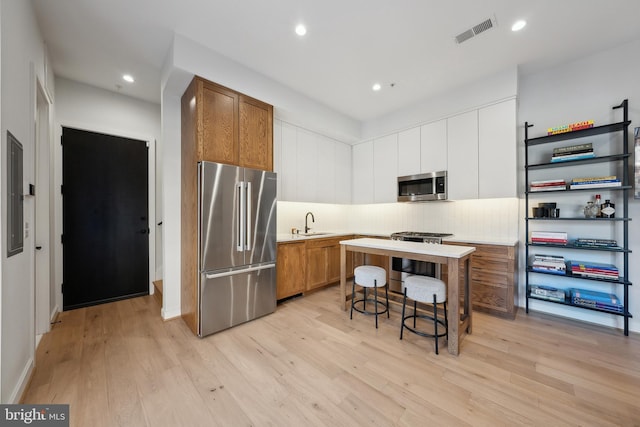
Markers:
point(621, 157)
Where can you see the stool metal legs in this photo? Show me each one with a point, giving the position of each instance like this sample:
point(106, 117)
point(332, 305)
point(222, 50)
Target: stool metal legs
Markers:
point(435, 319)
point(375, 301)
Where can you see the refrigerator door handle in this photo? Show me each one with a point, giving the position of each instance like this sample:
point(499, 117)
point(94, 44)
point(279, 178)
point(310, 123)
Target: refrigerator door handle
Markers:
point(241, 222)
point(248, 217)
point(234, 272)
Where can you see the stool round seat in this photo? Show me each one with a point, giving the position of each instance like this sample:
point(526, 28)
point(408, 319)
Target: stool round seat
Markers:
point(426, 290)
point(423, 288)
point(370, 276)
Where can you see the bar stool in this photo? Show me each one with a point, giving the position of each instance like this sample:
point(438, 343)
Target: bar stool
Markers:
point(370, 276)
point(428, 290)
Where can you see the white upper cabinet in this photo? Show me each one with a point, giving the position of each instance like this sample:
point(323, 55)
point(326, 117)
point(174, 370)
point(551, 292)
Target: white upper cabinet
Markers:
point(433, 147)
point(462, 154)
point(277, 155)
point(497, 150)
point(409, 152)
point(342, 180)
point(385, 169)
point(288, 172)
point(307, 166)
point(362, 181)
point(326, 176)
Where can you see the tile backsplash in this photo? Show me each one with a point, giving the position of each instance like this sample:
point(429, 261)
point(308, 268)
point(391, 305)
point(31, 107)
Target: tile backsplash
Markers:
point(495, 218)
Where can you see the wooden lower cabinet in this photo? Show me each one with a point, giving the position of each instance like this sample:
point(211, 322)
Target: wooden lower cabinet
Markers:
point(309, 264)
point(290, 269)
point(494, 281)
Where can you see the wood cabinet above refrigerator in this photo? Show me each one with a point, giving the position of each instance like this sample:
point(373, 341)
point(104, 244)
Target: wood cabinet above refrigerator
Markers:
point(227, 126)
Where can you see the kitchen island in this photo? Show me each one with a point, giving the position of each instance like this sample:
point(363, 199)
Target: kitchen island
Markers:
point(454, 257)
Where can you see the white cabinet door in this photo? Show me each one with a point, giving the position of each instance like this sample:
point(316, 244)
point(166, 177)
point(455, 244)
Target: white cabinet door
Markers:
point(288, 173)
point(326, 170)
point(362, 173)
point(462, 154)
point(433, 147)
point(497, 150)
point(385, 169)
point(307, 167)
point(409, 152)
point(342, 173)
point(277, 155)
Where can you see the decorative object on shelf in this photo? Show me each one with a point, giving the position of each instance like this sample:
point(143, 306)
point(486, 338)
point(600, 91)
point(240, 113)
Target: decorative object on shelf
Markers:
point(545, 210)
point(616, 275)
point(608, 209)
point(595, 182)
point(591, 210)
point(573, 152)
point(599, 206)
point(570, 127)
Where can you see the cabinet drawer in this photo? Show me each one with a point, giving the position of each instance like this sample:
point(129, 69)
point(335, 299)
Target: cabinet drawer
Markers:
point(494, 299)
point(323, 243)
point(489, 264)
point(489, 278)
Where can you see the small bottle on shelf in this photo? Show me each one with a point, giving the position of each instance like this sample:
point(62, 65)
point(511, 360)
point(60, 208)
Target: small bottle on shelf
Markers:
point(590, 211)
point(608, 209)
point(599, 206)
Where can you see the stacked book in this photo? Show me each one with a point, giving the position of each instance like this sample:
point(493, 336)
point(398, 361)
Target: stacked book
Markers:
point(570, 127)
point(594, 299)
point(549, 237)
point(572, 152)
point(553, 264)
point(595, 182)
point(594, 270)
point(548, 185)
point(595, 243)
point(547, 292)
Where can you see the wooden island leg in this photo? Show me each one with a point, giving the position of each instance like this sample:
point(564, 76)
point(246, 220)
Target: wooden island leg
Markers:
point(453, 305)
point(343, 277)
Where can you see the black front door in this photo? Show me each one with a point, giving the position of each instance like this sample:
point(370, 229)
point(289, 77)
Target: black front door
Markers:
point(105, 218)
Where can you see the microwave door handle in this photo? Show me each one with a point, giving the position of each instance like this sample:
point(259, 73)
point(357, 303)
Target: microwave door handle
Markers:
point(240, 220)
point(248, 223)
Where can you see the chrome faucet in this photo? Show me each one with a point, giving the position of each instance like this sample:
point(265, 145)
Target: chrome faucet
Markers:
point(306, 227)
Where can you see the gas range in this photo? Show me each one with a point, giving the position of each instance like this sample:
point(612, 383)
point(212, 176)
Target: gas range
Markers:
point(419, 236)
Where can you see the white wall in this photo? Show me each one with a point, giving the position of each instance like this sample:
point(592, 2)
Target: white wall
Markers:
point(581, 90)
point(86, 107)
point(497, 87)
point(22, 61)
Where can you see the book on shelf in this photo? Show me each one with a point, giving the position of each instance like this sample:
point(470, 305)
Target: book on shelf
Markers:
point(599, 184)
point(596, 304)
point(595, 178)
point(570, 127)
point(545, 257)
point(573, 148)
point(570, 157)
point(548, 188)
point(547, 291)
point(595, 243)
point(604, 297)
point(550, 234)
point(549, 270)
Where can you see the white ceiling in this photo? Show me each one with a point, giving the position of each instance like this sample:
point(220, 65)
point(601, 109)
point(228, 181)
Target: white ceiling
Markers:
point(350, 44)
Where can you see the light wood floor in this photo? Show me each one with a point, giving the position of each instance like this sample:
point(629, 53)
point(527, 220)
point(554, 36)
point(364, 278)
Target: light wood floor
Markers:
point(307, 365)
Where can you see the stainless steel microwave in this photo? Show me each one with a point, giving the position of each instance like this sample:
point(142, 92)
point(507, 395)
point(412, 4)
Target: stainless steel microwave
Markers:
point(423, 187)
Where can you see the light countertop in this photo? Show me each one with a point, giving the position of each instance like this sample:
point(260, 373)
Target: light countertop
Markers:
point(479, 240)
point(444, 250)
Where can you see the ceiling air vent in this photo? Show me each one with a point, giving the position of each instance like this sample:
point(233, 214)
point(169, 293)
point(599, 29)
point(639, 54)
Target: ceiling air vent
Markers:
point(475, 30)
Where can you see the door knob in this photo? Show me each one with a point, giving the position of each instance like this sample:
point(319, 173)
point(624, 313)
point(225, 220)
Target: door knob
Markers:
point(38, 248)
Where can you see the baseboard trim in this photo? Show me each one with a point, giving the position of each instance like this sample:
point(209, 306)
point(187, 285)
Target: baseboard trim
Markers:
point(23, 383)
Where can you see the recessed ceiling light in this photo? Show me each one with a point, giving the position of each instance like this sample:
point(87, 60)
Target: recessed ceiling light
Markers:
point(301, 30)
point(376, 87)
point(128, 78)
point(518, 25)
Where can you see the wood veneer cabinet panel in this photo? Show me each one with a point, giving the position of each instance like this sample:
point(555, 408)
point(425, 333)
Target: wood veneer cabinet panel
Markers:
point(255, 134)
point(493, 278)
point(291, 269)
point(219, 124)
point(189, 208)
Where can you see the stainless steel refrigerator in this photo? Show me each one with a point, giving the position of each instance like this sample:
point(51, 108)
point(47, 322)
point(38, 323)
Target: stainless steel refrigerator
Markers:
point(237, 245)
